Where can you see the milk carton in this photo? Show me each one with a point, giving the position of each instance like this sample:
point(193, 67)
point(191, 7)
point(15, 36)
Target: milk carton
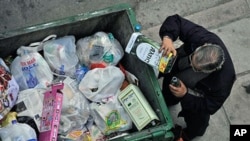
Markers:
point(52, 105)
point(147, 50)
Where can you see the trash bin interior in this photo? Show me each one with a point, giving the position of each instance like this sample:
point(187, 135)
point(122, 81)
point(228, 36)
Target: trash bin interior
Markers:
point(119, 24)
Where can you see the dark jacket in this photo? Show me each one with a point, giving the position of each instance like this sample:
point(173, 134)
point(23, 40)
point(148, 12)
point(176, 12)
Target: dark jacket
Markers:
point(217, 86)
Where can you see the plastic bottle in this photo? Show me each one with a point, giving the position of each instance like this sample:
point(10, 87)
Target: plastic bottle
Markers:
point(18, 132)
point(81, 70)
point(108, 57)
point(9, 118)
point(175, 82)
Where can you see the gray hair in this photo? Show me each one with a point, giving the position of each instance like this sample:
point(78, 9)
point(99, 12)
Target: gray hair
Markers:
point(209, 57)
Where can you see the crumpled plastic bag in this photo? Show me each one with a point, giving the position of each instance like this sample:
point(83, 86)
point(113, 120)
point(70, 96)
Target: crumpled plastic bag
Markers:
point(61, 56)
point(75, 107)
point(100, 83)
point(30, 69)
point(9, 89)
point(100, 48)
point(18, 131)
point(110, 116)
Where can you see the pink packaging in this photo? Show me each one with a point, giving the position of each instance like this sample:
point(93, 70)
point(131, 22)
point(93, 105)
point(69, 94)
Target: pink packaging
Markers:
point(51, 113)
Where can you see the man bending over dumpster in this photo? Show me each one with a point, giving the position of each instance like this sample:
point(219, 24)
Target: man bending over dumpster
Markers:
point(205, 71)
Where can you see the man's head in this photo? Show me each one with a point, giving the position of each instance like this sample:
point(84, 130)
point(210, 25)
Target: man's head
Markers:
point(207, 58)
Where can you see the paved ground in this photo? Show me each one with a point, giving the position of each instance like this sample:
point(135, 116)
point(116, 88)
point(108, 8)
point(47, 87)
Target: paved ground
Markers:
point(230, 19)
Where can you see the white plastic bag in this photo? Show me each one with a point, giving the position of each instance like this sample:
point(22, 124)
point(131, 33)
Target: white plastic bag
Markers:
point(30, 69)
point(75, 107)
point(61, 56)
point(110, 116)
point(9, 89)
point(18, 132)
point(100, 83)
point(100, 48)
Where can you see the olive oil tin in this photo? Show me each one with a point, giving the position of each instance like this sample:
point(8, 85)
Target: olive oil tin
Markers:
point(138, 108)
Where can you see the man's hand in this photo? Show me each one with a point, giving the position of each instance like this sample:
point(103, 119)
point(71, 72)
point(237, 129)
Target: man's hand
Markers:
point(167, 46)
point(178, 91)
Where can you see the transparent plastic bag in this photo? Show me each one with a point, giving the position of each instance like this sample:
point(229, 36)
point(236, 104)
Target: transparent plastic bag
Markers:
point(61, 56)
point(9, 89)
point(100, 83)
point(110, 116)
point(30, 69)
point(75, 107)
point(100, 48)
point(18, 132)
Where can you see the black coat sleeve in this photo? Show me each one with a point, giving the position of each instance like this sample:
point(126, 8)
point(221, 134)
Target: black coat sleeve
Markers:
point(210, 103)
point(177, 27)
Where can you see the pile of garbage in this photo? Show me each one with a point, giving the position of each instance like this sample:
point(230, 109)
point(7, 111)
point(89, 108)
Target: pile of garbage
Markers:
point(92, 76)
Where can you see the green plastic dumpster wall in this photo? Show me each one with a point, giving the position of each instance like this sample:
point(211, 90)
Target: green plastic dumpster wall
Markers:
point(119, 20)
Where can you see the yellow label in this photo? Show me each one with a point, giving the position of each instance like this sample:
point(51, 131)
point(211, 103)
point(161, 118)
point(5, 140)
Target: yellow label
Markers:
point(87, 137)
point(164, 62)
point(114, 121)
point(75, 134)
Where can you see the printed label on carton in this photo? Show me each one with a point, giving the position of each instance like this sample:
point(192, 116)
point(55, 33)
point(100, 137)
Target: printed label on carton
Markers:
point(135, 108)
point(147, 50)
point(148, 54)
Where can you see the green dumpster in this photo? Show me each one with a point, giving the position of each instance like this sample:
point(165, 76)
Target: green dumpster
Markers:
point(121, 21)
